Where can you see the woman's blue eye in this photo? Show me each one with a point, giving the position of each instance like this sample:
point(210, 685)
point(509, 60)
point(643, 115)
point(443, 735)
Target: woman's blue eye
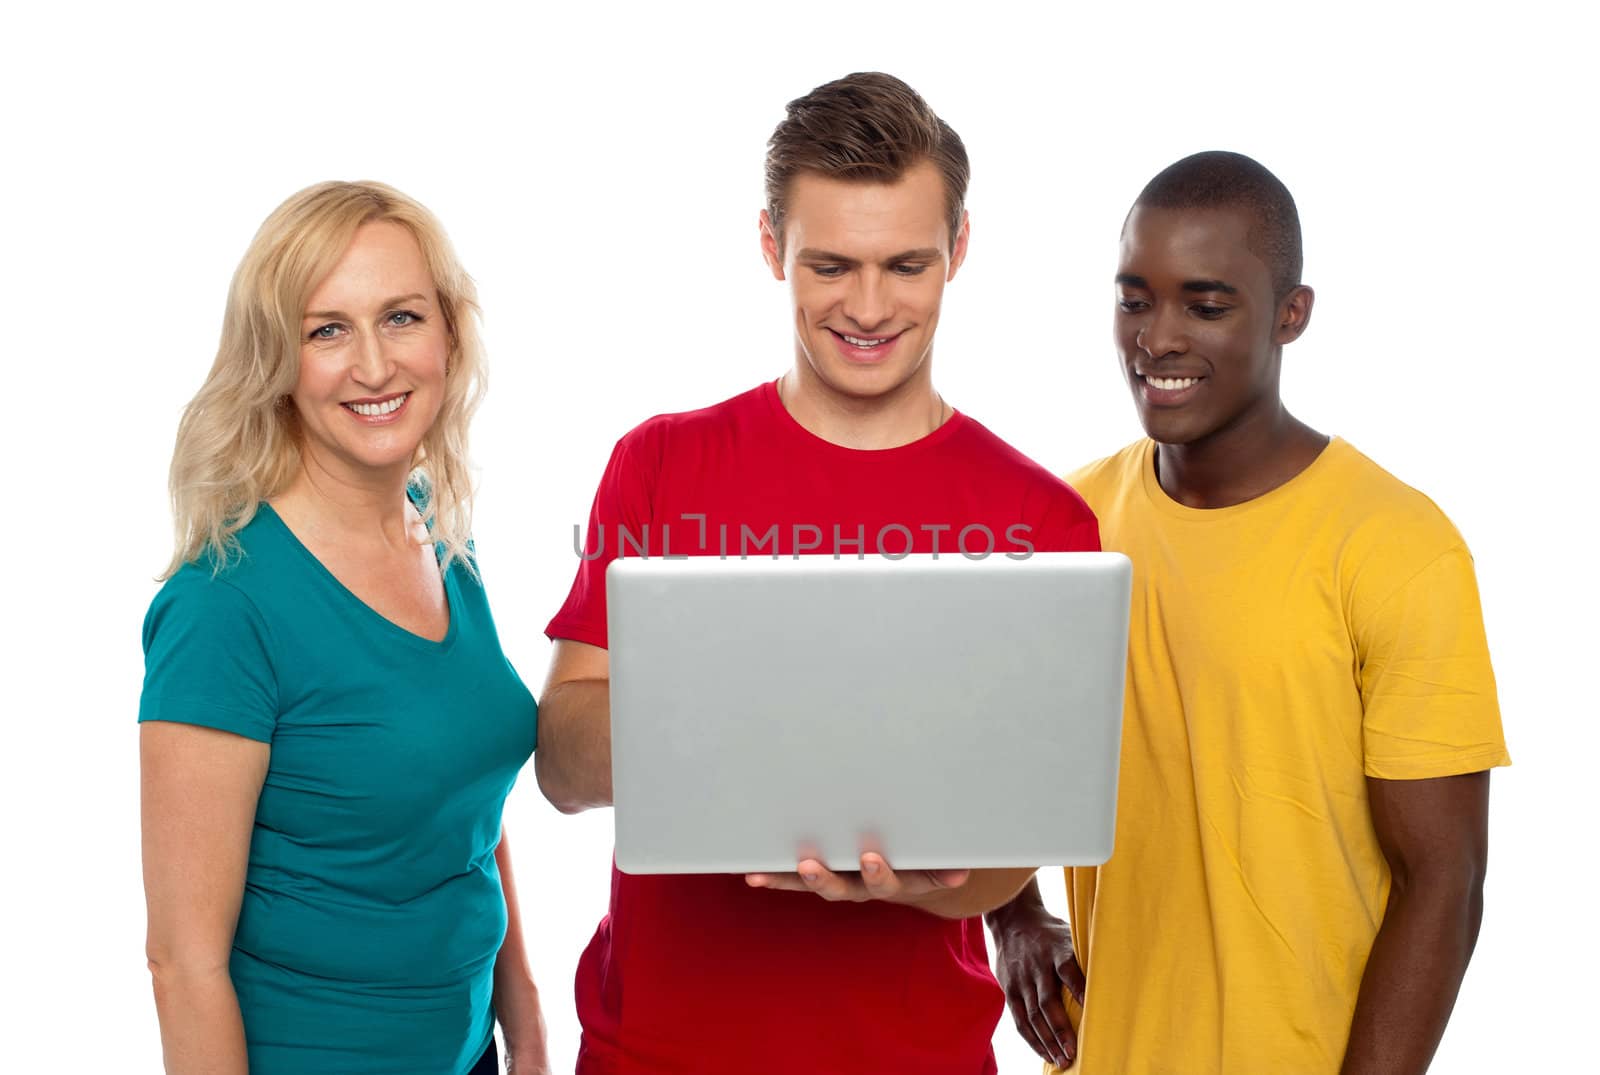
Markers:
point(403, 317)
point(324, 332)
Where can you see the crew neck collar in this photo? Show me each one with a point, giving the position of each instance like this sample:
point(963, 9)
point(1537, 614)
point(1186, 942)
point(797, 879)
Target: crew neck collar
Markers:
point(1336, 448)
point(948, 428)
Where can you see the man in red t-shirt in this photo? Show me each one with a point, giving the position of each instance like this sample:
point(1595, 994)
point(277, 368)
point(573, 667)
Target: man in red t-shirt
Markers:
point(851, 451)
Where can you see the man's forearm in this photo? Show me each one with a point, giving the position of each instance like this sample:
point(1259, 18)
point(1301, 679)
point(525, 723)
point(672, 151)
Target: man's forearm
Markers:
point(1028, 900)
point(1413, 975)
point(984, 891)
point(573, 761)
point(201, 1029)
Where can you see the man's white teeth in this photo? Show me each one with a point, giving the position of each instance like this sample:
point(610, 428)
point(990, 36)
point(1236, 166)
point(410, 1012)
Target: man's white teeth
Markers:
point(373, 410)
point(1170, 383)
point(857, 341)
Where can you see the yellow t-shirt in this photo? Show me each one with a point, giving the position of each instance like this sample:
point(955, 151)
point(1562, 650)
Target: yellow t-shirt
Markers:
point(1281, 651)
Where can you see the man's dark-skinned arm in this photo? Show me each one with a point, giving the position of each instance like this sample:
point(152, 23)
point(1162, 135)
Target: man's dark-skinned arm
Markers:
point(573, 762)
point(1034, 959)
point(1434, 834)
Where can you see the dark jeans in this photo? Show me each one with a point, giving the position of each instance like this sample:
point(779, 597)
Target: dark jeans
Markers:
point(488, 1063)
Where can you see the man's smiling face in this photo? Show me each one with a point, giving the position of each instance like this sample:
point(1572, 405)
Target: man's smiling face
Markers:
point(867, 264)
point(1197, 326)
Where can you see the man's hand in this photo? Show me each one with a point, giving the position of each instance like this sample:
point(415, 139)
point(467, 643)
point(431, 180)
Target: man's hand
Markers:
point(1034, 959)
point(876, 881)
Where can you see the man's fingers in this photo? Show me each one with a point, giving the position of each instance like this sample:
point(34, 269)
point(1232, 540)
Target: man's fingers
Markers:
point(1057, 1031)
point(1055, 1016)
point(1071, 975)
point(876, 880)
point(1023, 1018)
point(948, 878)
point(812, 877)
point(784, 882)
point(829, 885)
point(1046, 1034)
point(881, 882)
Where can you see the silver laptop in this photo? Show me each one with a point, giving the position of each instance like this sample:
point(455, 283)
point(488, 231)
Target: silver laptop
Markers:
point(945, 712)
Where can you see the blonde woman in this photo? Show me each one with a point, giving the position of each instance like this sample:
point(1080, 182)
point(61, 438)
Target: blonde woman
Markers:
point(329, 729)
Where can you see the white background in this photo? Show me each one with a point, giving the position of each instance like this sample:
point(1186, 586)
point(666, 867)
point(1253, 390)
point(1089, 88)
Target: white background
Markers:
point(601, 174)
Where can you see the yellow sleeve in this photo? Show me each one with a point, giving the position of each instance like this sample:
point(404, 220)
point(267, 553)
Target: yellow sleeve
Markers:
point(1427, 690)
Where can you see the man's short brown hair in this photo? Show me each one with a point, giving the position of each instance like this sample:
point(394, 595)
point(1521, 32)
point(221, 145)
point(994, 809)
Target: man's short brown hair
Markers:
point(869, 127)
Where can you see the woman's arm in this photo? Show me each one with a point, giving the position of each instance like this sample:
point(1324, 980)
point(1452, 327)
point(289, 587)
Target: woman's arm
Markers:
point(516, 998)
point(198, 792)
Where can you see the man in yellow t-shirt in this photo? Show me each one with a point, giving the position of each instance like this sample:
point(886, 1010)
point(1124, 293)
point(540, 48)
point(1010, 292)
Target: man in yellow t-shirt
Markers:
point(1311, 714)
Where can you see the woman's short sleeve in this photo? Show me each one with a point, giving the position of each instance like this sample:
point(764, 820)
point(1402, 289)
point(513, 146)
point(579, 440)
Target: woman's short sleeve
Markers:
point(207, 658)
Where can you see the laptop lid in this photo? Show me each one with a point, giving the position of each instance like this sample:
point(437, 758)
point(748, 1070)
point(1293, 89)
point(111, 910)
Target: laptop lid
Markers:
point(946, 712)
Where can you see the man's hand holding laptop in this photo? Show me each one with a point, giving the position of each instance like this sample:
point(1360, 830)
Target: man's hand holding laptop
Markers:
point(947, 893)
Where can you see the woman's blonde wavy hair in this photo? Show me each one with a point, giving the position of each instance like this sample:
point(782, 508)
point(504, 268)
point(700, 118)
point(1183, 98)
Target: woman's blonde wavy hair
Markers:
point(238, 440)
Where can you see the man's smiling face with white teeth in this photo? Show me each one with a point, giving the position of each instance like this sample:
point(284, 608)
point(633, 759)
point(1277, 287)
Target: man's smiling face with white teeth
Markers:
point(866, 264)
point(1197, 324)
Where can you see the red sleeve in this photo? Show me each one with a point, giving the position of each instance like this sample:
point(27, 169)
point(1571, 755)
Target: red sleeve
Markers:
point(622, 505)
point(1086, 536)
point(1066, 524)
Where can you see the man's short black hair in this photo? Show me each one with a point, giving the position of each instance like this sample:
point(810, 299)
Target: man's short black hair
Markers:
point(1218, 179)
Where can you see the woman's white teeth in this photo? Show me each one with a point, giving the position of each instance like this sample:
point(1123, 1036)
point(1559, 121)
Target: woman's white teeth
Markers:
point(1170, 383)
point(857, 341)
point(373, 410)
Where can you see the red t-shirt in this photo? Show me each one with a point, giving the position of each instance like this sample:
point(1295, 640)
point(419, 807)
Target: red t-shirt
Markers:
point(702, 974)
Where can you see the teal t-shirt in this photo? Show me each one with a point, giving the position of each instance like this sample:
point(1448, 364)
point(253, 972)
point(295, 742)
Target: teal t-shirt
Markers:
point(372, 908)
